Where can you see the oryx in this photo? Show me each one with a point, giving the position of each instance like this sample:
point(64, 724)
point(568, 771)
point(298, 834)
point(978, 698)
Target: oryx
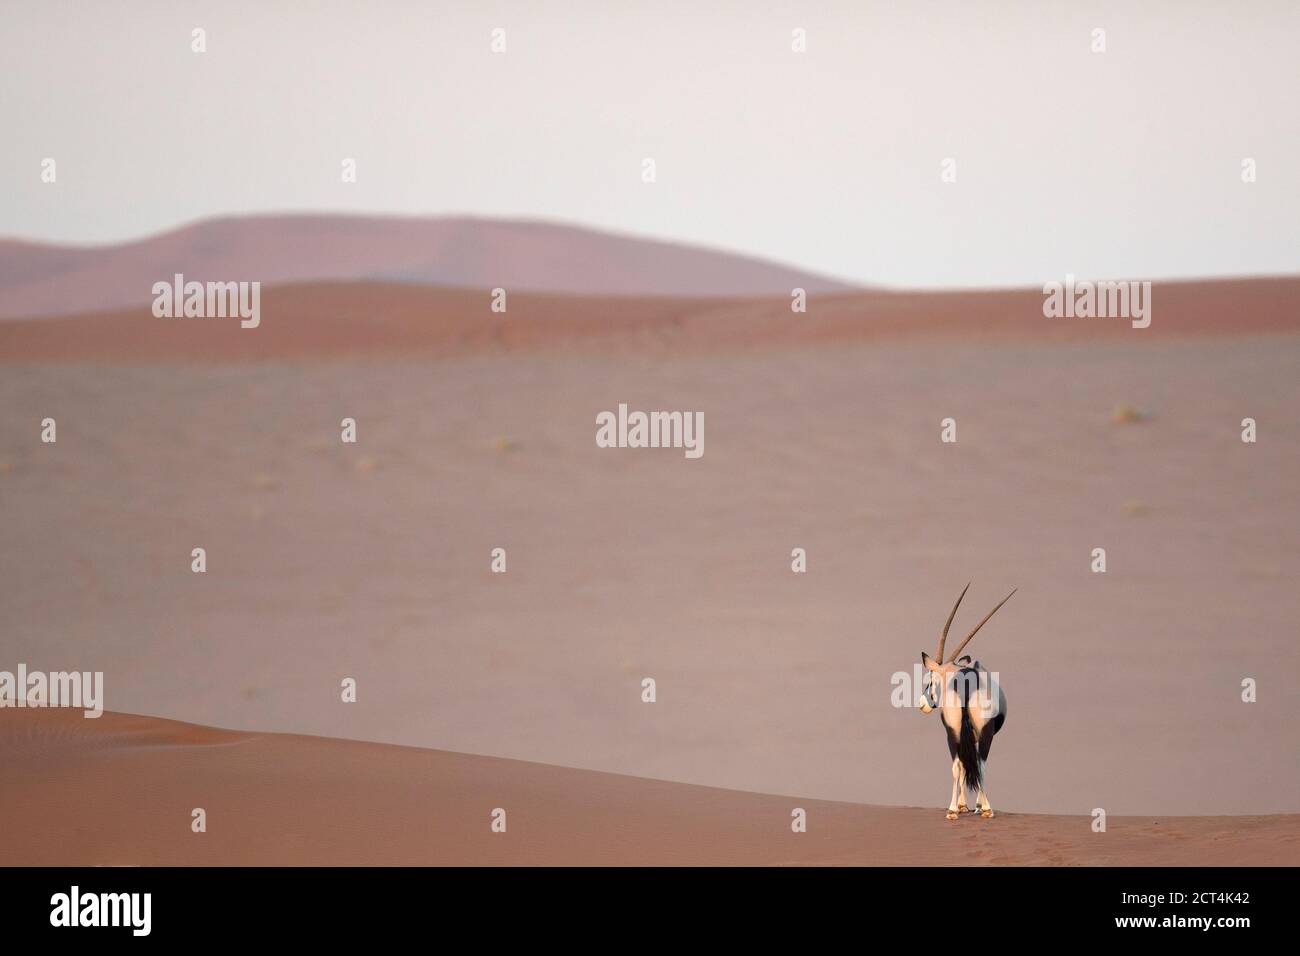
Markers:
point(972, 708)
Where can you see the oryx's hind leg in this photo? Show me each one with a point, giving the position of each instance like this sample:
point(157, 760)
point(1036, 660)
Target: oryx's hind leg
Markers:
point(961, 789)
point(954, 811)
point(982, 798)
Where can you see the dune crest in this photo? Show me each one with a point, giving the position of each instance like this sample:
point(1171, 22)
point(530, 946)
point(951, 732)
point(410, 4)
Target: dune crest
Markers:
point(362, 320)
point(121, 798)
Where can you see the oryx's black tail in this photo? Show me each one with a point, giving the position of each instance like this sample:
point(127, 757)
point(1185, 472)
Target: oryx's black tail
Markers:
point(967, 747)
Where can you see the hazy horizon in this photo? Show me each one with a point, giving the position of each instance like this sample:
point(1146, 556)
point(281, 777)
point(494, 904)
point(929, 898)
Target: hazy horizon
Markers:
point(1125, 163)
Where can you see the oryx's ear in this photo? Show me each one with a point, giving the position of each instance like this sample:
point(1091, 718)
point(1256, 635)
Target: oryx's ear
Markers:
point(929, 662)
point(964, 660)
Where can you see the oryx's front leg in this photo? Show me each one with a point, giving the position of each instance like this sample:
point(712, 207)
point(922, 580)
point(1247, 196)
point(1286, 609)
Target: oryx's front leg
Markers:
point(982, 798)
point(953, 810)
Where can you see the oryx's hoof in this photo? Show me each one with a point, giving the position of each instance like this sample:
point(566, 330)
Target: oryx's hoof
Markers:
point(952, 814)
point(962, 808)
point(987, 814)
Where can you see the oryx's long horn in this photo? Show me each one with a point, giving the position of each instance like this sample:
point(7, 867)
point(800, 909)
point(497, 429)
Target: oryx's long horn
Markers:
point(980, 624)
point(944, 636)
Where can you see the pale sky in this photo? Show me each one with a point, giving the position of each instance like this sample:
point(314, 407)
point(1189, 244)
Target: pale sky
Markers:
point(1122, 164)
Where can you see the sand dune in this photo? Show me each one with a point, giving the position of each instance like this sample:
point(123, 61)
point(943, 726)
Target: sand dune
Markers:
point(120, 790)
point(371, 560)
point(39, 279)
point(359, 320)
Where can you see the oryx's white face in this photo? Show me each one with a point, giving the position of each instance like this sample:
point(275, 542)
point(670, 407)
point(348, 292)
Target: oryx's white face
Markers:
point(937, 679)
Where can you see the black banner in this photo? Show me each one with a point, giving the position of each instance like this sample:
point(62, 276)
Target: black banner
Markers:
point(911, 906)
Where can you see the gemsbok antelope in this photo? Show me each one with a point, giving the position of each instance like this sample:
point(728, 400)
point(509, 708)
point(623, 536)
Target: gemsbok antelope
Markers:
point(972, 708)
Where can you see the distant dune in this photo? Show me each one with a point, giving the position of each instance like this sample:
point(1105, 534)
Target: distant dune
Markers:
point(121, 790)
point(361, 319)
point(38, 279)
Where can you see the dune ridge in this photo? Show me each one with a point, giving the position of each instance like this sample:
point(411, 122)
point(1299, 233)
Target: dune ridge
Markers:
point(120, 790)
point(376, 320)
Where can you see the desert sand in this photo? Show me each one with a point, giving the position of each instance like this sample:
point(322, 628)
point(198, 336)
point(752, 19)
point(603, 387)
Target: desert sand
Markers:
point(364, 320)
point(476, 431)
point(120, 790)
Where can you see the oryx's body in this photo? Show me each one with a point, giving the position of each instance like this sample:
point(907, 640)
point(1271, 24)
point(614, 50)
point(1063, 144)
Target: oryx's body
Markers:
point(972, 708)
